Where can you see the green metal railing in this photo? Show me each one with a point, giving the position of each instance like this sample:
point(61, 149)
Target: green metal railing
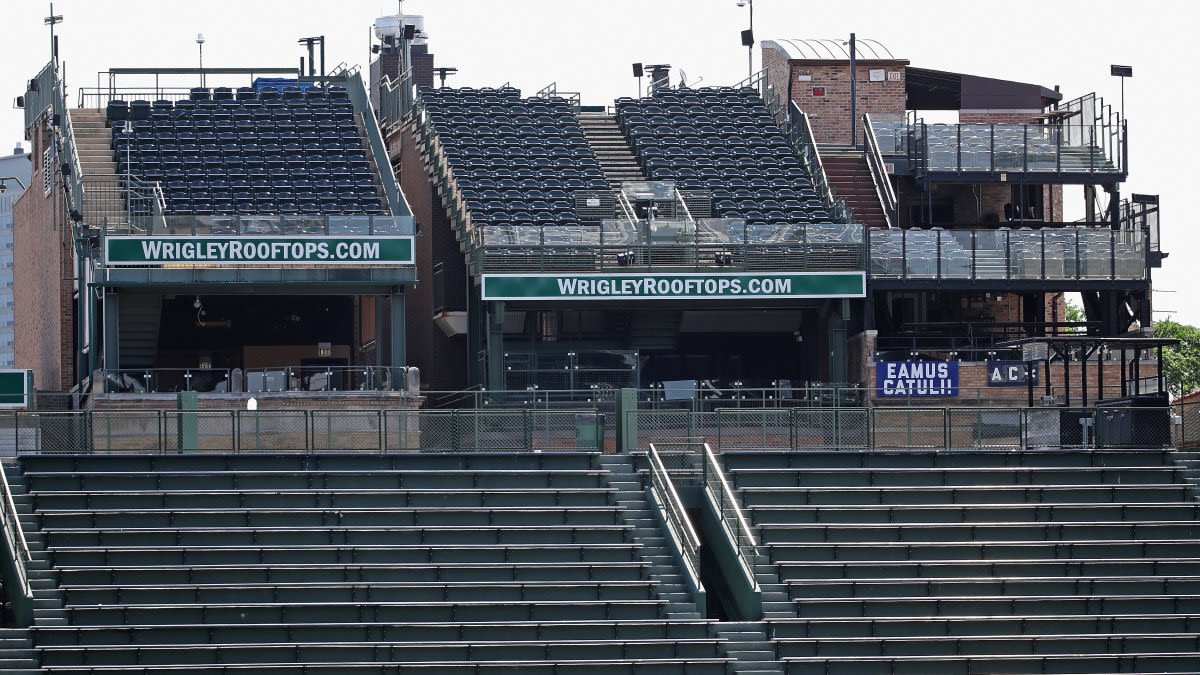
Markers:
point(799, 429)
point(17, 557)
point(585, 428)
point(804, 143)
point(683, 537)
point(300, 431)
point(736, 526)
point(382, 159)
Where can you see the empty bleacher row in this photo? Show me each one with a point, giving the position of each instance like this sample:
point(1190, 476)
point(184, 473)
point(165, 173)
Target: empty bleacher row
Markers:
point(516, 161)
point(1053, 561)
point(341, 564)
point(289, 152)
point(722, 140)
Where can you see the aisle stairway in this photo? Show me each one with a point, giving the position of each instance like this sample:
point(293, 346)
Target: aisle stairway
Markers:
point(451, 563)
point(850, 178)
point(93, 143)
point(1060, 561)
point(617, 161)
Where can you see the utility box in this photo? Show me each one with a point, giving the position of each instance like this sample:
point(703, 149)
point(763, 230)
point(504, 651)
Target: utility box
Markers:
point(589, 431)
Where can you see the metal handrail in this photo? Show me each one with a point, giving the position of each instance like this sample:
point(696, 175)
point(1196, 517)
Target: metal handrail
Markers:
point(15, 537)
point(358, 94)
point(756, 80)
point(879, 177)
point(687, 213)
point(676, 515)
point(728, 500)
point(804, 143)
point(626, 207)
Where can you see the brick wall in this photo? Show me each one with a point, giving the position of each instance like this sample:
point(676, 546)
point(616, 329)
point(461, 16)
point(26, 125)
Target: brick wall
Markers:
point(830, 114)
point(974, 390)
point(43, 270)
point(442, 359)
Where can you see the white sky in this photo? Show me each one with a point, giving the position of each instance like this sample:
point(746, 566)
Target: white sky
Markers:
point(588, 45)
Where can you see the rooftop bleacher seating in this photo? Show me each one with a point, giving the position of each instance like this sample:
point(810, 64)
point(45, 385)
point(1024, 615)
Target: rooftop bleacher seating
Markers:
point(516, 161)
point(226, 153)
point(452, 563)
point(1049, 561)
point(723, 140)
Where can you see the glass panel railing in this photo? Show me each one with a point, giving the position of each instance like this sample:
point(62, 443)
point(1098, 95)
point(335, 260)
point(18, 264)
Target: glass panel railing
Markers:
point(1059, 254)
point(184, 225)
point(252, 380)
point(891, 131)
point(1073, 146)
point(1047, 254)
point(732, 244)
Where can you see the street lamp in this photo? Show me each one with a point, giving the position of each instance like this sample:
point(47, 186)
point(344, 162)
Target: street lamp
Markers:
point(4, 185)
point(200, 44)
point(1122, 72)
point(748, 38)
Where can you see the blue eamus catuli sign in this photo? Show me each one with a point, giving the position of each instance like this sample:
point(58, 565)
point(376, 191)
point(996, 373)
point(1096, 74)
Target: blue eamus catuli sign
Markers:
point(916, 378)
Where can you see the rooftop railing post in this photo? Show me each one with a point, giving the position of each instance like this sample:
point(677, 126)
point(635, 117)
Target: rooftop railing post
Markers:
point(939, 254)
point(1025, 151)
point(1058, 134)
point(1043, 243)
point(1092, 148)
point(958, 145)
point(974, 252)
point(1008, 255)
point(992, 146)
point(1112, 254)
point(1078, 266)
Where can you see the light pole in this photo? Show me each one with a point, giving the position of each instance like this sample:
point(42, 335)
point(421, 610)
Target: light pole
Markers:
point(200, 44)
point(4, 185)
point(853, 94)
point(748, 38)
point(1122, 72)
point(52, 21)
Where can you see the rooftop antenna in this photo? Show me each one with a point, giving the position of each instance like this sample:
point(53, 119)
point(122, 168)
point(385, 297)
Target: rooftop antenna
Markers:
point(52, 21)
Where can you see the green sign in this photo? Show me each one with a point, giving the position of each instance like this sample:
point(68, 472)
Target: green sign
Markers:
point(15, 386)
point(250, 250)
point(675, 286)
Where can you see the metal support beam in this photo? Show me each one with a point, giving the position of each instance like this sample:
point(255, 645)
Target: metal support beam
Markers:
point(380, 328)
point(112, 331)
point(398, 339)
point(495, 345)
